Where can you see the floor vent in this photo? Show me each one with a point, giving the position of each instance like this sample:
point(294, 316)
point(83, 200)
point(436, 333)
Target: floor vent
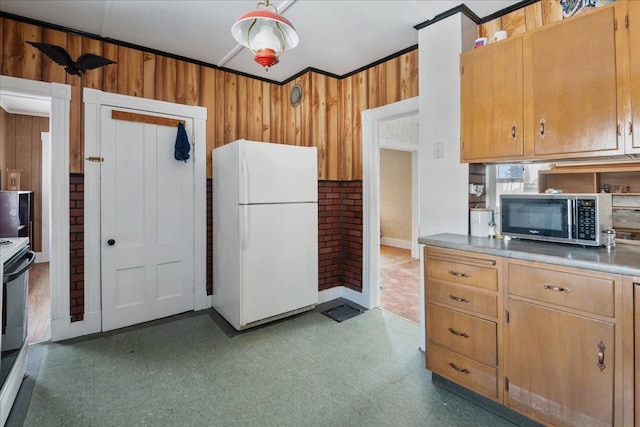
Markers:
point(342, 312)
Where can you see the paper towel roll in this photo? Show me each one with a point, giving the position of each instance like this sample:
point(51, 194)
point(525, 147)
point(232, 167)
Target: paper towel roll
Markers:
point(480, 219)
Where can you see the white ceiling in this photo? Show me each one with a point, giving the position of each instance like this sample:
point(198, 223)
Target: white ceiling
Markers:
point(337, 37)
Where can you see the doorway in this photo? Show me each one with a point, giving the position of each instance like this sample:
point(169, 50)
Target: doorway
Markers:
point(100, 235)
point(399, 270)
point(52, 99)
point(373, 130)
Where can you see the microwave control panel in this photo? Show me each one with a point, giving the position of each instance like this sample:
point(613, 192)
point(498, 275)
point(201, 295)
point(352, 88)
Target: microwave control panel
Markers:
point(586, 219)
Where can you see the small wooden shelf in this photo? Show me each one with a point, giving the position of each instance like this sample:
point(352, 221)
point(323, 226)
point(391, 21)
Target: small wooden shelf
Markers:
point(591, 178)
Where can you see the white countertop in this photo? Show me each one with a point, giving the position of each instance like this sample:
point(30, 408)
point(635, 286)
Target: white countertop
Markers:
point(10, 249)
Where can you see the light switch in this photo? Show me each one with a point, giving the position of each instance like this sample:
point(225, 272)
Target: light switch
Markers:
point(438, 150)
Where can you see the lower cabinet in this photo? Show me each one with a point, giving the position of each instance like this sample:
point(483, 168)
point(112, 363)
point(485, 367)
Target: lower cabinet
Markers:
point(636, 286)
point(462, 319)
point(559, 366)
point(553, 343)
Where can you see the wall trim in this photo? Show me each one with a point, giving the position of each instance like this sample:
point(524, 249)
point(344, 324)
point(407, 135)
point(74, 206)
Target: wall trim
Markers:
point(371, 193)
point(60, 96)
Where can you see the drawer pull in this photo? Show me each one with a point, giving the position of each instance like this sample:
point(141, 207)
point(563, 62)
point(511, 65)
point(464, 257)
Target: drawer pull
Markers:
point(601, 348)
point(556, 288)
point(459, 334)
point(462, 370)
point(455, 273)
point(458, 299)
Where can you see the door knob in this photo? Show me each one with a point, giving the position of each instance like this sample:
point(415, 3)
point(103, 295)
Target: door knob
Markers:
point(111, 242)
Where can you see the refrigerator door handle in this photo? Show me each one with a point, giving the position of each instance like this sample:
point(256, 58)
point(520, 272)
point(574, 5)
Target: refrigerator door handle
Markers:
point(244, 201)
point(245, 227)
point(245, 179)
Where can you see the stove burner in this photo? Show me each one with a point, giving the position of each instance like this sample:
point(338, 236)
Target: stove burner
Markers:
point(5, 242)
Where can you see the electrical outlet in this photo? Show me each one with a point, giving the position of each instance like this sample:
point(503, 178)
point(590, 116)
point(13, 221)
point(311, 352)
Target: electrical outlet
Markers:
point(438, 150)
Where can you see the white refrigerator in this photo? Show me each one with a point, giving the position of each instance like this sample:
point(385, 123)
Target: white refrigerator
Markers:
point(265, 231)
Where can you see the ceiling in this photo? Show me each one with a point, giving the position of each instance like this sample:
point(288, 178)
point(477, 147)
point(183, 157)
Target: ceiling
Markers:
point(336, 37)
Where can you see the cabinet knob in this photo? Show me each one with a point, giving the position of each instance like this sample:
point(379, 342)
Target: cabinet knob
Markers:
point(111, 242)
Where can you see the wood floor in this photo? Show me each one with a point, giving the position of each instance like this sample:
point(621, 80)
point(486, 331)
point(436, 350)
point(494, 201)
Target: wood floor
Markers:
point(400, 283)
point(39, 323)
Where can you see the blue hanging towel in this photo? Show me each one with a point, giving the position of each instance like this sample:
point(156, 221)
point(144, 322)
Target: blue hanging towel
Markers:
point(182, 148)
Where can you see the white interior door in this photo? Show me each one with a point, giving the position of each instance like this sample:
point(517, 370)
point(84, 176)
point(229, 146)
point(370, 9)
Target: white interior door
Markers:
point(147, 223)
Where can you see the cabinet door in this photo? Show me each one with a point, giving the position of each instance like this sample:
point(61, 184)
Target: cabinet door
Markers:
point(555, 367)
point(636, 291)
point(491, 91)
point(572, 87)
point(633, 128)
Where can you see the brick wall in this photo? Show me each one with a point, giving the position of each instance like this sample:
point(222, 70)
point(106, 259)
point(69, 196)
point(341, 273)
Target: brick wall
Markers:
point(76, 253)
point(340, 234)
point(478, 175)
point(329, 234)
point(352, 235)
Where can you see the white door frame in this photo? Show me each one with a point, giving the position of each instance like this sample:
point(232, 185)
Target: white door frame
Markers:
point(45, 138)
point(371, 194)
point(60, 97)
point(93, 102)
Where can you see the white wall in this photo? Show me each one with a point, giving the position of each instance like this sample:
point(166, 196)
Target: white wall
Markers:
point(444, 199)
point(443, 181)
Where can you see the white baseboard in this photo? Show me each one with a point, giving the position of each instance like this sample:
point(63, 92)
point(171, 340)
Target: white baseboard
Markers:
point(396, 243)
point(342, 292)
point(64, 328)
point(202, 300)
point(40, 258)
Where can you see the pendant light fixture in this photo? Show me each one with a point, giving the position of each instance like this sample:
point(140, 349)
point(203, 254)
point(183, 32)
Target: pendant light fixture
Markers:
point(265, 33)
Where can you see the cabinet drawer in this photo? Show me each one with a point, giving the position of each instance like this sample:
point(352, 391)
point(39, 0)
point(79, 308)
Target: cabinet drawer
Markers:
point(462, 370)
point(591, 294)
point(458, 297)
point(464, 270)
point(468, 335)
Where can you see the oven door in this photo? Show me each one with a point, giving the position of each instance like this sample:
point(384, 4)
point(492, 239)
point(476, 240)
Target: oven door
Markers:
point(14, 302)
point(539, 218)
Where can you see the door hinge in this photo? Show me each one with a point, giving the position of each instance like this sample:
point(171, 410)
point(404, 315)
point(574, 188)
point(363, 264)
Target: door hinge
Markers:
point(461, 69)
point(506, 316)
point(95, 159)
point(615, 24)
point(506, 384)
point(626, 21)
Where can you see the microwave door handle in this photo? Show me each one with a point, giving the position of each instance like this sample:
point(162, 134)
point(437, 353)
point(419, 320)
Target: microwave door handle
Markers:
point(571, 214)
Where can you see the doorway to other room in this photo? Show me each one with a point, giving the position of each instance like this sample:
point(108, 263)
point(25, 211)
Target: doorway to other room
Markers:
point(399, 271)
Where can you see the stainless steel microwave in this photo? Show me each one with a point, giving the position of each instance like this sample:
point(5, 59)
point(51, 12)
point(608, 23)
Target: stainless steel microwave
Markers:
point(565, 218)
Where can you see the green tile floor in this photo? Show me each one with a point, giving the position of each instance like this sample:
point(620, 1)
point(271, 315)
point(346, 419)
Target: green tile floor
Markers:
point(304, 371)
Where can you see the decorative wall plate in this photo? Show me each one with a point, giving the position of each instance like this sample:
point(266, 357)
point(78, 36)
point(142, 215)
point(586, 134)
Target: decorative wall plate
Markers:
point(296, 95)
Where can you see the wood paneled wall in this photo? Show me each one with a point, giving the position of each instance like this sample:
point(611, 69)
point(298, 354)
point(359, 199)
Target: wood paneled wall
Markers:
point(21, 148)
point(237, 106)
point(525, 19)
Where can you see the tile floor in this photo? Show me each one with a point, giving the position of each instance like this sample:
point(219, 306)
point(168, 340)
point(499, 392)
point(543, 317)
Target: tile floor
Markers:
point(185, 371)
point(400, 283)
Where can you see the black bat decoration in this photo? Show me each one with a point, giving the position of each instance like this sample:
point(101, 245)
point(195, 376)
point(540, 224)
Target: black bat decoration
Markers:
point(87, 61)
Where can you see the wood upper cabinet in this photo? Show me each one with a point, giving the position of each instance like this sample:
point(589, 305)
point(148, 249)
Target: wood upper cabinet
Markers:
point(492, 103)
point(571, 88)
point(572, 99)
point(632, 128)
